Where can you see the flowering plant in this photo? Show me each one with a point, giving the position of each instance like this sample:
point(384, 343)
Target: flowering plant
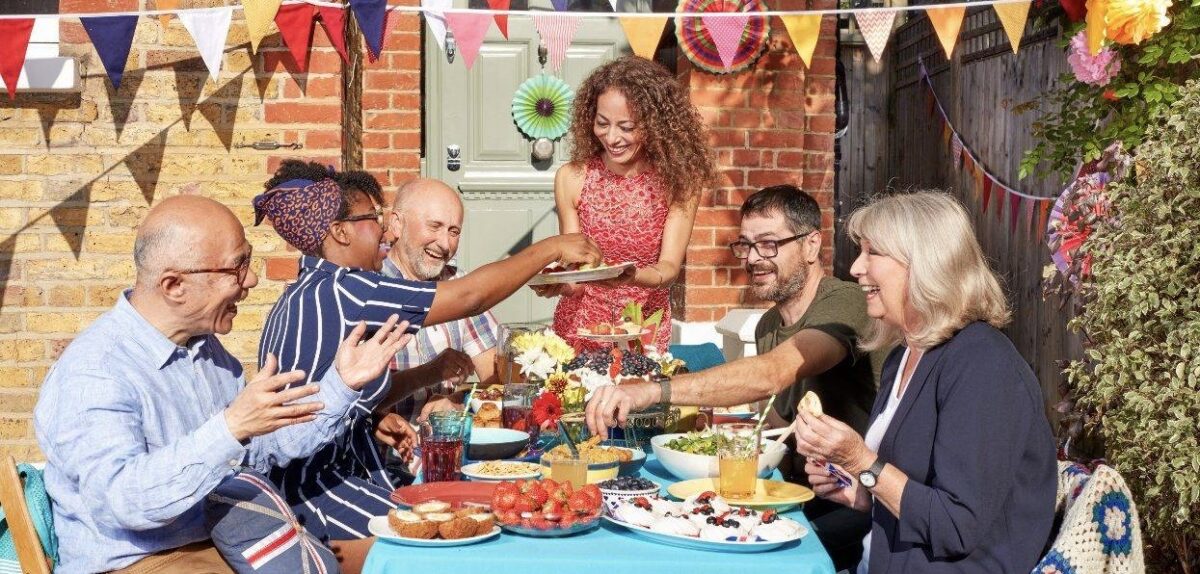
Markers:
point(540, 354)
point(547, 409)
point(1096, 70)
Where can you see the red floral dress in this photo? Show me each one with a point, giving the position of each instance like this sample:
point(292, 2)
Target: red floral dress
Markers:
point(625, 216)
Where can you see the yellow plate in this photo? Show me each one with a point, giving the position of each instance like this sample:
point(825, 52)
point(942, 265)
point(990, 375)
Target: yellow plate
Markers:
point(767, 493)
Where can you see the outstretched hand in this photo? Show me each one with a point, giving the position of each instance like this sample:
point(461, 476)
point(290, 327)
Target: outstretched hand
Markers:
point(359, 362)
point(262, 407)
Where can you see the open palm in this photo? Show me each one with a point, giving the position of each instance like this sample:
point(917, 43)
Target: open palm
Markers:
point(359, 362)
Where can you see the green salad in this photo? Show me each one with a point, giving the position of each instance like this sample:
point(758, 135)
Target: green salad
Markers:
point(705, 443)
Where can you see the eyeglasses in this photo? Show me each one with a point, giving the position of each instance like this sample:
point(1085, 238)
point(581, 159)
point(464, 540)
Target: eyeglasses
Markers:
point(377, 216)
point(767, 248)
point(239, 271)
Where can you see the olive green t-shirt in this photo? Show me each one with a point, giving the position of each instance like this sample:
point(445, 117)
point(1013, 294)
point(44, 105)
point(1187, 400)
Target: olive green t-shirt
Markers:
point(847, 391)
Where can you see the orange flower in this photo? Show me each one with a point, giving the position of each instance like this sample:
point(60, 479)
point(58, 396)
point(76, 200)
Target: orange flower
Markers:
point(1131, 21)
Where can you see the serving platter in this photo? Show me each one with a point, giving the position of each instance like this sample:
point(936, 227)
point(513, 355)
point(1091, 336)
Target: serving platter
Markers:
point(701, 544)
point(456, 493)
point(378, 526)
point(773, 494)
point(594, 274)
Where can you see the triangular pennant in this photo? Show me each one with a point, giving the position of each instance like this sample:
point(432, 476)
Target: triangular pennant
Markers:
point(968, 163)
point(804, 29)
point(559, 5)
point(726, 32)
point(643, 34)
point(956, 149)
point(67, 217)
point(876, 28)
point(14, 41)
point(1097, 10)
point(333, 20)
point(1014, 206)
point(145, 164)
point(930, 103)
point(469, 30)
point(295, 22)
point(165, 19)
point(987, 193)
point(946, 133)
point(259, 16)
point(501, 19)
point(1012, 17)
point(999, 191)
point(556, 31)
point(372, 17)
point(1043, 215)
point(977, 176)
point(436, 19)
point(613, 3)
point(1028, 216)
point(208, 28)
point(112, 36)
point(947, 22)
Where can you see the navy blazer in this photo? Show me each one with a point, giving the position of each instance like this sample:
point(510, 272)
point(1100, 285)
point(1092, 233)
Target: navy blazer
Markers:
point(971, 435)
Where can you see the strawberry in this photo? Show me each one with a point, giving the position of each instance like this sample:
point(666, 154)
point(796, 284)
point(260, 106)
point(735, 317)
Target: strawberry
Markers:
point(568, 520)
point(539, 522)
point(509, 517)
point(561, 495)
point(538, 494)
point(706, 497)
point(526, 523)
point(522, 485)
point(505, 487)
point(504, 500)
point(581, 503)
point(524, 504)
point(552, 507)
point(567, 487)
point(550, 485)
point(642, 503)
point(594, 492)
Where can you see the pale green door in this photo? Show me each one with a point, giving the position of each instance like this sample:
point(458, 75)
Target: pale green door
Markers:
point(508, 196)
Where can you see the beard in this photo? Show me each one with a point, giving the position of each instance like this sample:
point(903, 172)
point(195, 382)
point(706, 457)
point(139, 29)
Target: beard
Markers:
point(419, 261)
point(783, 288)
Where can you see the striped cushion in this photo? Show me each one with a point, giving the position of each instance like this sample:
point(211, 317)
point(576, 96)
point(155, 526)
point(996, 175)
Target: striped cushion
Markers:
point(255, 530)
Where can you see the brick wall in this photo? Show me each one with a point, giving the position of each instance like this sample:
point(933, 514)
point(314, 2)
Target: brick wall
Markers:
point(769, 126)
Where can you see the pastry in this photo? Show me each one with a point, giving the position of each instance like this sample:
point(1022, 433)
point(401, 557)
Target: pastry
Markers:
point(811, 404)
point(411, 525)
point(456, 528)
point(438, 517)
point(431, 506)
point(484, 521)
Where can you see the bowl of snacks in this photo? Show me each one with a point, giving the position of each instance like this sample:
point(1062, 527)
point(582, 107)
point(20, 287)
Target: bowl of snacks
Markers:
point(694, 455)
point(617, 490)
point(496, 443)
point(629, 465)
point(491, 395)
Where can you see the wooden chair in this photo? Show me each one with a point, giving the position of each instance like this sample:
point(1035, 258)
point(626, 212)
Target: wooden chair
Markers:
point(12, 498)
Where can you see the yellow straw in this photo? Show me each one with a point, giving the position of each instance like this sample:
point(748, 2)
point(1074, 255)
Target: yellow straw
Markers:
point(762, 418)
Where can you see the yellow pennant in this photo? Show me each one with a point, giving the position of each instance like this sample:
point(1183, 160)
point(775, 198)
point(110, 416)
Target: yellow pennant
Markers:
point(947, 22)
point(165, 19)
point(260, 17)
point(644, 34)
point(1096, 11)
point(804, 30)
point(1013, 17)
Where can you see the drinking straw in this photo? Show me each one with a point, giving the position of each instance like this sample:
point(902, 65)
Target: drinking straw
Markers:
point(562, 429)
point(470, 395)
point(762, 419)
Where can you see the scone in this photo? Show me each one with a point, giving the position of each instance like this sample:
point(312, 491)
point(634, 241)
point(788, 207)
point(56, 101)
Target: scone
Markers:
point(457, 528)
point(485, 522)
point(431, 506)
point(411, 525)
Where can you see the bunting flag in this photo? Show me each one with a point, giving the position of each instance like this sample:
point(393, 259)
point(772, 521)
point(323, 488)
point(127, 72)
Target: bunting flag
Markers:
point(469, 30)
point(333, 20)
point(165, 19)
point(1013, 17)
point(1029, 216)
point(435, 18)
point(560, 5)
point(644, 34)
point(947, 22)
point(209, 28)
point(987, 193)
point(556, 31)
point(726, 33)
point(259, 16)
point(372, 17)
point(1043, 215)
point(14, 41)
point(613, 3)
point(876, 28)
point(956, 148)
point(1014, 205)
point(112, 36)
point(1097, 10)
point(804, 31)
point(501, 19)
point(295, 22)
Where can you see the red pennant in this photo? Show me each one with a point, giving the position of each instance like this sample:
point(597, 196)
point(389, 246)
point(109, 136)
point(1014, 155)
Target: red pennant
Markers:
point(1043, 216)
point(929, 101)
point(14, 41)
point(1014, 205)
point(333, 20)
point(1000, 196)
point(968, 163)
point(295, 22)
point(987, 193)
point(501, 19)
point(1029, 205)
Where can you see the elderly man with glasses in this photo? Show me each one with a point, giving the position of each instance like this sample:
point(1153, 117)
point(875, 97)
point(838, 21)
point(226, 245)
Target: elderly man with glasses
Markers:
point(807, 341)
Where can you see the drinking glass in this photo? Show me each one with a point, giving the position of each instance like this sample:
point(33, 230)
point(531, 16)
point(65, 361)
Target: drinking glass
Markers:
point(737, 459)
point(573, 470)
point(517, 412)
point(442, 437)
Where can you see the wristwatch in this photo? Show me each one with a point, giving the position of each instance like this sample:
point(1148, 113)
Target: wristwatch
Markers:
point(869, 477)
point(664, 389)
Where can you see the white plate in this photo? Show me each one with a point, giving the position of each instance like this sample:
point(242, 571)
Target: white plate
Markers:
point(469, 471)
point(378, 526)
point(701, 544)
point(598, 274)
point(612, 338)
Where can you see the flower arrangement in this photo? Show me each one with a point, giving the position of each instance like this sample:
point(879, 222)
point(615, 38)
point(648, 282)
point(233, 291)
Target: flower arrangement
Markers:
point(540, 353)
point(1132, 21)
point(547, 409)
point(1096, 70)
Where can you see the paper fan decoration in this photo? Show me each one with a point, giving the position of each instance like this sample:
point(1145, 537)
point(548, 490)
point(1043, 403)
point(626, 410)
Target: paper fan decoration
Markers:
point(700, 47)
point(541, 107)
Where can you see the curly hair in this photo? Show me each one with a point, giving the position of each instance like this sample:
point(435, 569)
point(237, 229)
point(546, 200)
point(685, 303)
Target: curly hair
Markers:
point(673, 134)
point(352, 183)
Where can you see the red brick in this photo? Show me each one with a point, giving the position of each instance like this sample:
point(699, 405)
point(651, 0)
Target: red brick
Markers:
point(760, 178)
point(710, 256)
point(701, 237)
point(718, 217)
point(376, 101)
point(392, 120)
point(323, 139)
point(376, 140)
point(745, 118)
point(738, 276)
point(406, 61)
point(789, 159)
point(302, 113)
point(746, 158)
point(393, 160)
point(818, 181)
point(821, 124)
point(406, 140)
point(720, 98)
point(727, 138)
point(410, 41)
point(406, 100)
point(818, 142)
point(775, 139)
point(388, 80)
point(314, 87)
point(713, 295)
point(282, 268)
point(734, 177)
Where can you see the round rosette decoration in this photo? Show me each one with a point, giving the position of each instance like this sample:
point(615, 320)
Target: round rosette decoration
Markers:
point(541, 107)
point(700, 46)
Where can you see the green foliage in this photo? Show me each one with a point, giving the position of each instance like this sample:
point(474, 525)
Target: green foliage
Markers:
point(1141, 372)
point(1078, 121)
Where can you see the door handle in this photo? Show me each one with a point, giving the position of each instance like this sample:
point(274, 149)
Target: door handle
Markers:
point(453, 159)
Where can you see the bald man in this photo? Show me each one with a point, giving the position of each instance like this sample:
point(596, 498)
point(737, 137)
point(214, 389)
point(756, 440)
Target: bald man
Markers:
point(423, 229)
point(145, 413)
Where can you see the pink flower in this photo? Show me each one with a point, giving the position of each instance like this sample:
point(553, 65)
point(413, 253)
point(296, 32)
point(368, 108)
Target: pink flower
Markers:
point(1096, 70)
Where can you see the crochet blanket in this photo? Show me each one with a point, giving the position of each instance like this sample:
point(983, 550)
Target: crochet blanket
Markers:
point(1100, 530)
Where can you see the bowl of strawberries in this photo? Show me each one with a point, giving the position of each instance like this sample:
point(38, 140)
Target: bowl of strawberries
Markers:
point(546, 508)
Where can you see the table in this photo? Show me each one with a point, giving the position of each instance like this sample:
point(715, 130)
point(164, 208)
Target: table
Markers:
point(608, 549)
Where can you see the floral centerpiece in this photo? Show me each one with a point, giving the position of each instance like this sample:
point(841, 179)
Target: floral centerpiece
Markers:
point(540, 353)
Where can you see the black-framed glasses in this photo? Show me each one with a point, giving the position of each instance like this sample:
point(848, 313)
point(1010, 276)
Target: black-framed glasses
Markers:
point(766, 248)
point(240, 270)
point(377, 216)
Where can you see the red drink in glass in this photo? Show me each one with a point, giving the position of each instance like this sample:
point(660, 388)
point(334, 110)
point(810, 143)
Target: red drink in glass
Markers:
point(441, 459)
point(516, 417)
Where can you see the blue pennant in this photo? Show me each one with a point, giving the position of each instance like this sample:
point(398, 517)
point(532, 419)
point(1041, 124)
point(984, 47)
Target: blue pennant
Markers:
point(112, 36)
point(371, 16)
point(560, 5)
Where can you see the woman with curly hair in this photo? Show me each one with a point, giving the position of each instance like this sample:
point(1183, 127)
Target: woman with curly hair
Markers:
point(639, 162)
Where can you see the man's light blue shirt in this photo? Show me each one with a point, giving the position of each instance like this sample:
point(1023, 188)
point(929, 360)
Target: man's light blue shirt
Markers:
point(134, 431)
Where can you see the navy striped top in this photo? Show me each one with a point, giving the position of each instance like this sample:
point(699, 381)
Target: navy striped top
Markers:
point(304, 330)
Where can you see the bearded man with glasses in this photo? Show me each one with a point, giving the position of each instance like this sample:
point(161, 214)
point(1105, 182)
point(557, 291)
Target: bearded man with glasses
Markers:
point(807, 341)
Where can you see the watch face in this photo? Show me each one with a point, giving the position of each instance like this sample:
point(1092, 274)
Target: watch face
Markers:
point(867, 479)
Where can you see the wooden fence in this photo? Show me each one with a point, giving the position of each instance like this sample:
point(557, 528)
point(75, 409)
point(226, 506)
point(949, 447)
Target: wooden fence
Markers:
point(893, 143)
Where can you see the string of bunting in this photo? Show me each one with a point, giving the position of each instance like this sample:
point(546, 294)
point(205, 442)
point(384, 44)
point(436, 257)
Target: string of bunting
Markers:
point(112, 32)
point(985, 183)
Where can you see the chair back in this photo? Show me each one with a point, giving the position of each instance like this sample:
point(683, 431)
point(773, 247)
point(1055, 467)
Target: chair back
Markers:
point(20, 523)
point(1100, 531)
point(698, 357)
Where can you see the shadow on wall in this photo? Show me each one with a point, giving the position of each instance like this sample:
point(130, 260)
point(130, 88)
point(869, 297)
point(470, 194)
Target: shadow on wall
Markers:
point(145, 162)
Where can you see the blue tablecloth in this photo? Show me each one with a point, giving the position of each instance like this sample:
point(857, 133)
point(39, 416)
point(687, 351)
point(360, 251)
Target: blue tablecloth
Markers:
point(608, 549)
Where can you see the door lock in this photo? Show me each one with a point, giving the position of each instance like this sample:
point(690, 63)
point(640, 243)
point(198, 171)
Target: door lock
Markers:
point(453, 159)
point(451, 47)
